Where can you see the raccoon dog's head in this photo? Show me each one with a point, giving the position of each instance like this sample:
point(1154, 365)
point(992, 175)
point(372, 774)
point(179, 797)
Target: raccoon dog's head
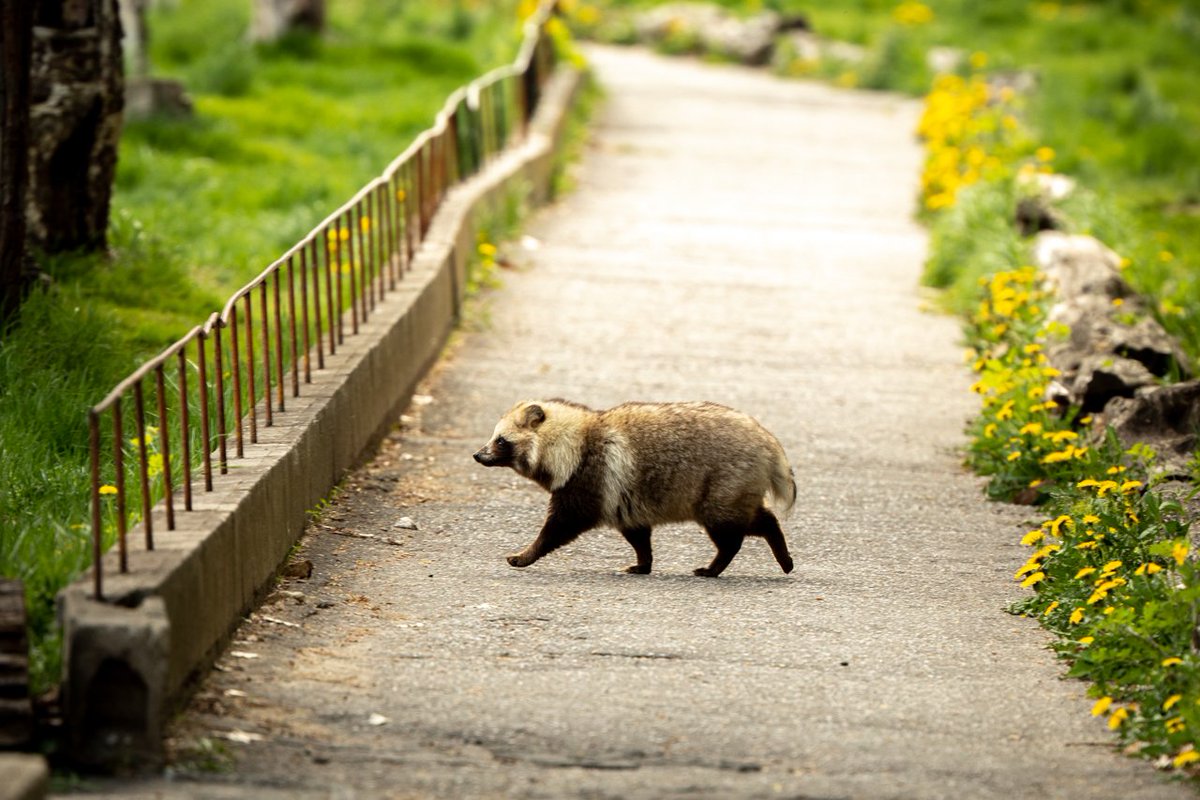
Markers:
point(513, 443)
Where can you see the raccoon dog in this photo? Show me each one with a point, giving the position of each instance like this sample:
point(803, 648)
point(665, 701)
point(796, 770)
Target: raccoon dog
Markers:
point(642, 464)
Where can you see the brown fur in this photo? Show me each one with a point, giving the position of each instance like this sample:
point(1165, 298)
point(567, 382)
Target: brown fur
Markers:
point(638, 465)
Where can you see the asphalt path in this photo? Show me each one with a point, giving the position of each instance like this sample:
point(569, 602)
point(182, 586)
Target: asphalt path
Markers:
point(737, 238)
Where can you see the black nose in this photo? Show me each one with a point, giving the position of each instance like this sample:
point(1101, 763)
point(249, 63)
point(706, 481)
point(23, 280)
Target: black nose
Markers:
point(480, 456)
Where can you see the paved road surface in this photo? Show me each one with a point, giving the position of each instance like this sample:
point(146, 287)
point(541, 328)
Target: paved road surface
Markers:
point(735, 238)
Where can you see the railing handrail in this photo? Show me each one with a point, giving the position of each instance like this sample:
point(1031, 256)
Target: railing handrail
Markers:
point(377, 230)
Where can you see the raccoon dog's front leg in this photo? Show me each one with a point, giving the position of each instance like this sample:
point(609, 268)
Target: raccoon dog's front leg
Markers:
point(639, 539)
point(563, 523)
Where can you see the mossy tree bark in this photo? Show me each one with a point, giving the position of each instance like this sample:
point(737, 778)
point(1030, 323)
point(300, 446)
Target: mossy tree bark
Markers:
point(77, 87)
point(16, 32)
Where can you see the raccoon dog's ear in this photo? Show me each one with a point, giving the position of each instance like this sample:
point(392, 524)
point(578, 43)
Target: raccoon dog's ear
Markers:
point(534, 416)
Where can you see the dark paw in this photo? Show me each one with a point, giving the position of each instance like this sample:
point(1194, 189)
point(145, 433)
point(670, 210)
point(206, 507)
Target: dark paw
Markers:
point(705, 572)
point(638, 569)
point(519, 560)
point(787, 566)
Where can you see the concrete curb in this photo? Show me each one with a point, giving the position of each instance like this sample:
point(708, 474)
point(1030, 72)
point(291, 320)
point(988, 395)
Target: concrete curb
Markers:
point(129, 661)
point(23, 777)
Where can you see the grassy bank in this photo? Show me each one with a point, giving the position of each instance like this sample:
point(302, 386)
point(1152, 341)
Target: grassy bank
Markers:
point(1111, 571)
point(282, 135)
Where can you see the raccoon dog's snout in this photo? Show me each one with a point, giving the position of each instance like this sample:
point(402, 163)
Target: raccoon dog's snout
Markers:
point(496, 453)
point(485, 456)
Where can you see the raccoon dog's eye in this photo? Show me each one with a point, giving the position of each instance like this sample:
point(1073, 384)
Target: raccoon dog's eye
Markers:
point(501, 441)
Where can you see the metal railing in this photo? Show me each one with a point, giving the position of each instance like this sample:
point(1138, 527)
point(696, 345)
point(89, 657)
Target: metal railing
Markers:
point(233, 373)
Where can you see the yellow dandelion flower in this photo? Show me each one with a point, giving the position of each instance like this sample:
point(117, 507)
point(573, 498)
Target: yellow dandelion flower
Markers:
point(1090, 519)
point(108, 488)
point(1086, 640)
point(1076, 616)
point(1185, 757)
point(588, 14)
point(912, 13)
point(1055, 525)
point(1050, 608)
point(1170, 701)
point(1101, 706)
point(1172, 661)
point(1117, 718)
point(1032, 538)
point(1030, 566)
point(1083, 573)
point(1044, 154)
point(1013, 456)
point(1059, 455)
point(1179, 552)
point(1036, 577)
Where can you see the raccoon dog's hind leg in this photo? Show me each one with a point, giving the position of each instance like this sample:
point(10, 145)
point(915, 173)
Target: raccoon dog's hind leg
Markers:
point(766, 525)
point(728, 538)
point(639, 539)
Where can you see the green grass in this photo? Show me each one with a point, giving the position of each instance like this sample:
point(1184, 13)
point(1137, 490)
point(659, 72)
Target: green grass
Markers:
point(282, 136)
point(1116, 100)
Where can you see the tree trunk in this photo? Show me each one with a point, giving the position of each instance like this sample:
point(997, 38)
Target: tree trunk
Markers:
point(75, 122)
point(135, 41)
point(274, 19)
point(16, 32)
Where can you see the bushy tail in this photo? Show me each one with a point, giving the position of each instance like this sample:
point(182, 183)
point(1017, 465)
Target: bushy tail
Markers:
point(783, 486)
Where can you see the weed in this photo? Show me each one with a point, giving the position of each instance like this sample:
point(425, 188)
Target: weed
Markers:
point(205, 755)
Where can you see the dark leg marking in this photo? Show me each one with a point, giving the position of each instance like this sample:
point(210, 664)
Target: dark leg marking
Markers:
point(559, 528)
point(639, 539)
point(766, 525)
point(728, 539)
